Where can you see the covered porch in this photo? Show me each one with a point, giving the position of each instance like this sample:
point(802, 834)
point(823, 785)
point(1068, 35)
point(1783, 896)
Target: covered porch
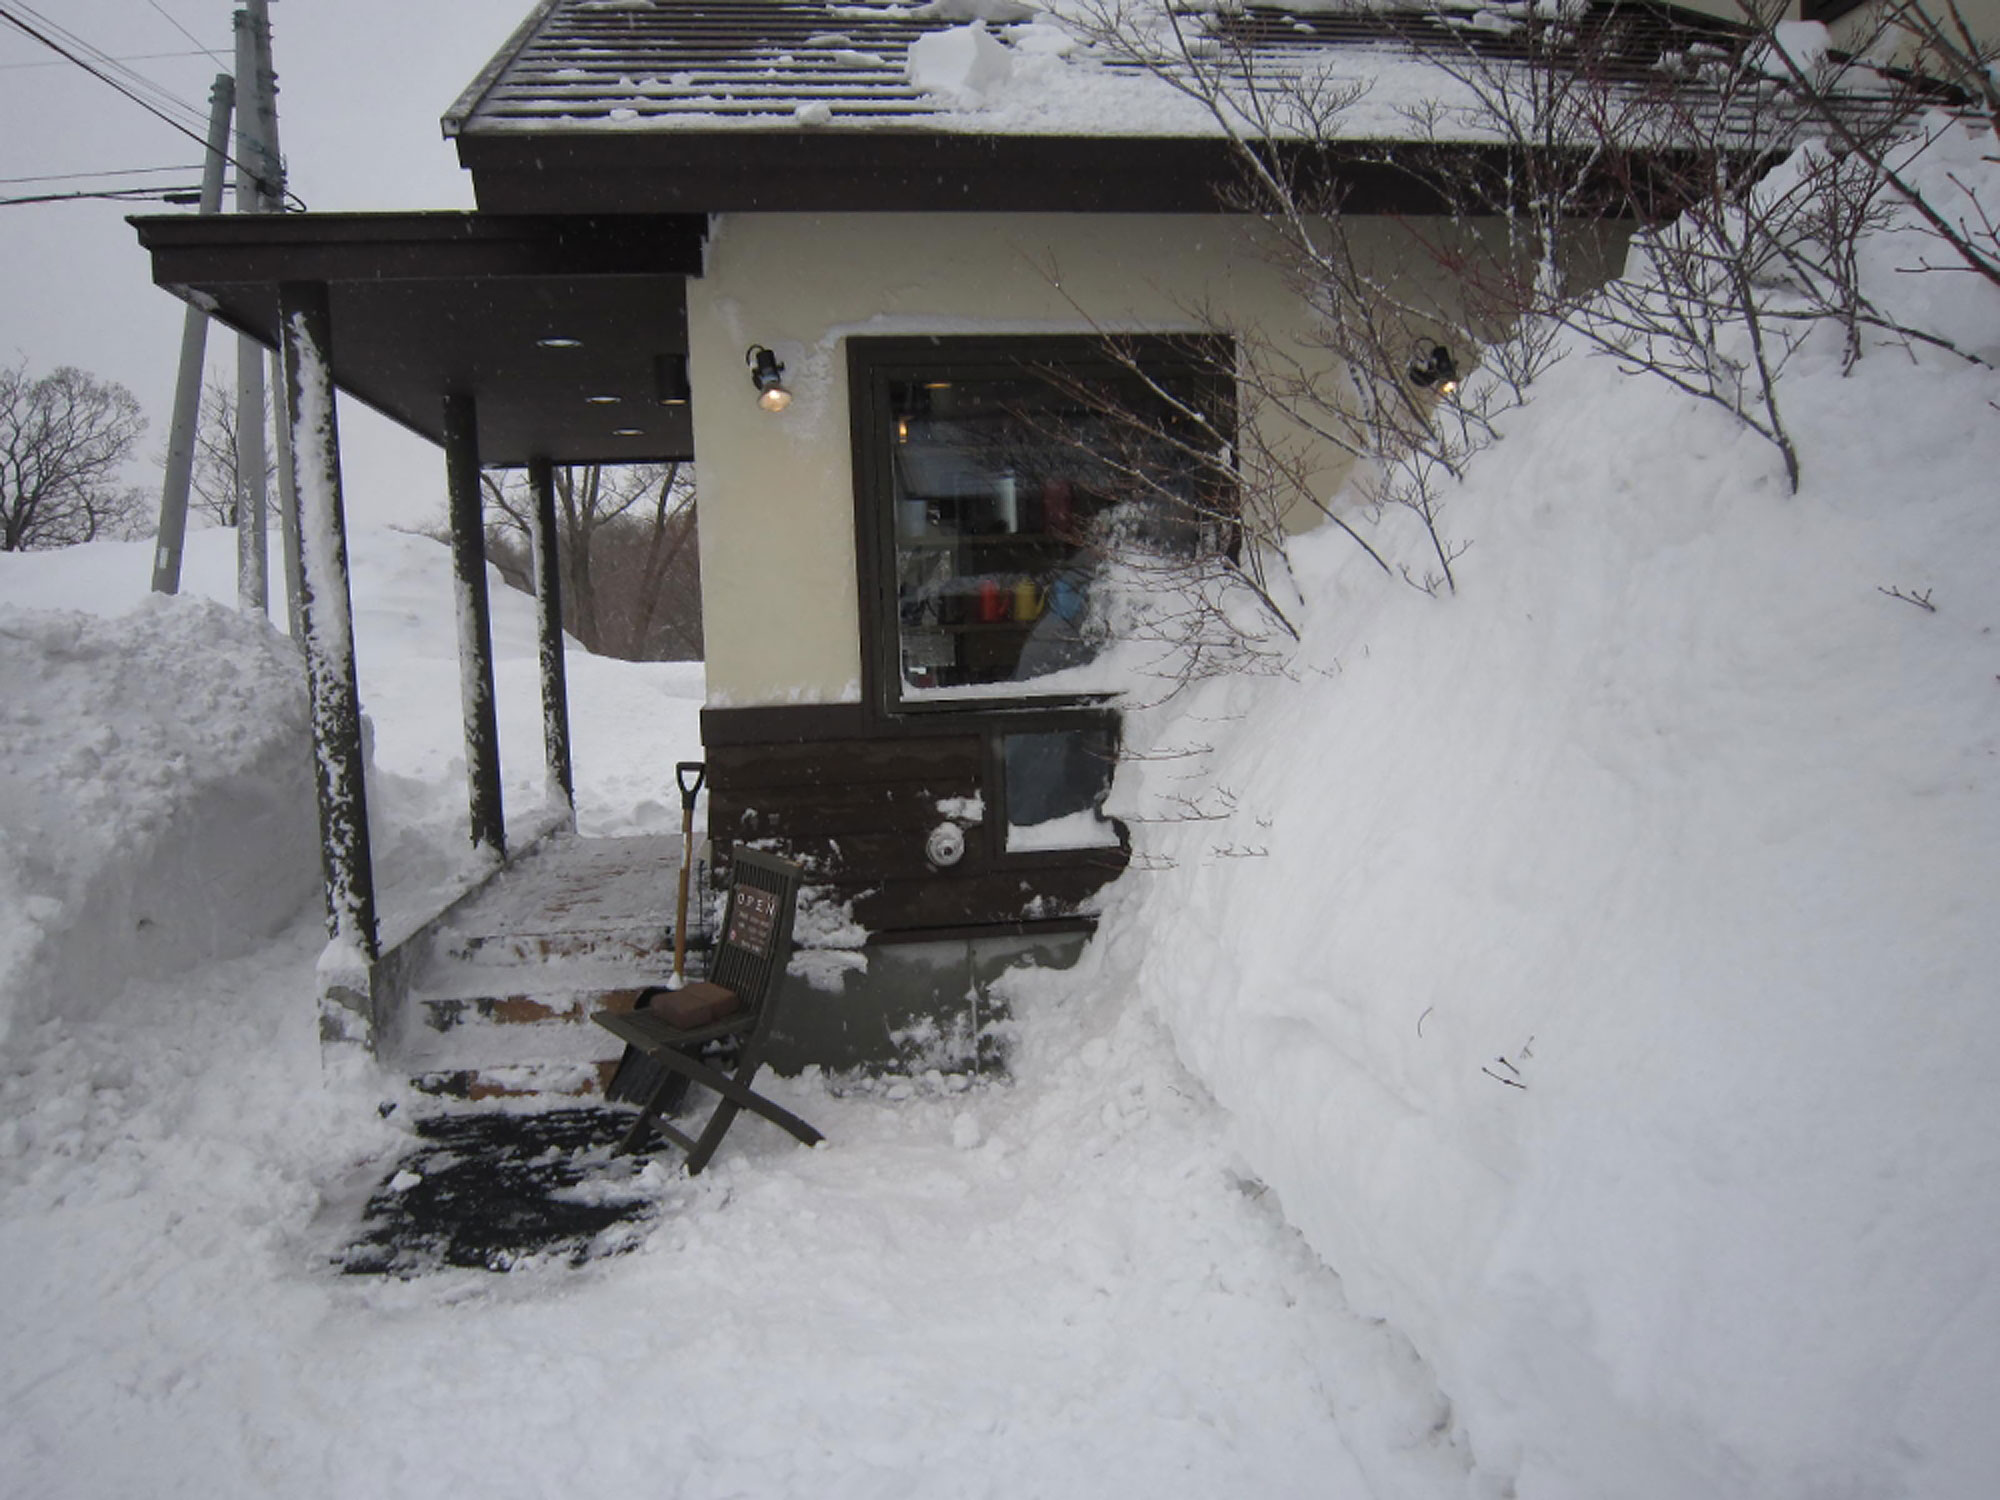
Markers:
point(509, 341)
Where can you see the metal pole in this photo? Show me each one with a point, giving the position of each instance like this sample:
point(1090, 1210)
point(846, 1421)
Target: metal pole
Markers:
point(326, 610)
point(549, 632)
point(252, 489)
point(475, 631)
point(194, 350)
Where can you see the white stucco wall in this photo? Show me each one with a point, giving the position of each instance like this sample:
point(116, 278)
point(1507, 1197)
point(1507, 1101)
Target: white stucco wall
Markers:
point(777, 500)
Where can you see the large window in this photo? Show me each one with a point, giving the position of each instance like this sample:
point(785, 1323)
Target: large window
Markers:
point(1002, 483)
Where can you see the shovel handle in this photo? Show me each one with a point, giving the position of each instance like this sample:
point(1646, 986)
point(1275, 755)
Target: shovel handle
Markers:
point(690, 789)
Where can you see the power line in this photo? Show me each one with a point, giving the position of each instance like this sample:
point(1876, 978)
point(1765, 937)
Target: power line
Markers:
point(85, 176)
point(171, 21)
point(114, 195)
point(101, 65)
point(132, 57)
point(197, 137)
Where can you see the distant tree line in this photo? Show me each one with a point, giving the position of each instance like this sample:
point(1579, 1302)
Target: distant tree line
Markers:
point(626, 544)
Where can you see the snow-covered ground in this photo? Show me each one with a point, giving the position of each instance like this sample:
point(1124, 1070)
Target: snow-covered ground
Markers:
point(1067, 1284)
point(1560, 1068)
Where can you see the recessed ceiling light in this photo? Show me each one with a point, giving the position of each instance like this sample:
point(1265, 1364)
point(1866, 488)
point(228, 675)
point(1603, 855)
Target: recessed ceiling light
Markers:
point(559, 341)
point(628, 432)
point(604, 400)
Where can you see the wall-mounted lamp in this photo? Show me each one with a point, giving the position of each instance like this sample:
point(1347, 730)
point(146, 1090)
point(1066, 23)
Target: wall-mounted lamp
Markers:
point(768, 375)
point(1434, 368)
point(670, 380)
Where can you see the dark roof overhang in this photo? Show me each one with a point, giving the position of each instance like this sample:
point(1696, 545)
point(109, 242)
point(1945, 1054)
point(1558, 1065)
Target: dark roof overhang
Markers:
point(891, 171)
point(888, 171)
point(877, 171)
point(426, 305)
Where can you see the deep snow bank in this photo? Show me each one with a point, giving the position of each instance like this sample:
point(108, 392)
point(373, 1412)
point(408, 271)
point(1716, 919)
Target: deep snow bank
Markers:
point(408, 664)
point(156, 799)
point(1600, 963)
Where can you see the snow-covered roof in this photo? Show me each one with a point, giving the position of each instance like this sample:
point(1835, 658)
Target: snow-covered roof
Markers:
point(1007, 67)
point(670, 106)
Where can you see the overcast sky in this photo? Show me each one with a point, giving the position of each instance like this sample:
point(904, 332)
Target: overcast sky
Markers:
point(361, 86)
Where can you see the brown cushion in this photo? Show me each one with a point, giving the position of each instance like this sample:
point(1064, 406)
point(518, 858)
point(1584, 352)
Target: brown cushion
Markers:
point(696, 1003)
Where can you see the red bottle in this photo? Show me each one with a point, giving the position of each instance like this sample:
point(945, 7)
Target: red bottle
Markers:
point(992, 600)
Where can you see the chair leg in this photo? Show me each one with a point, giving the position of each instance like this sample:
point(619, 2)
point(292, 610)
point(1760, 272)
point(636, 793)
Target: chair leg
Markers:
point(718, 1125)
point(667, 1094)
point(737, 1096)
point(733, 1096)
point(636, 1136)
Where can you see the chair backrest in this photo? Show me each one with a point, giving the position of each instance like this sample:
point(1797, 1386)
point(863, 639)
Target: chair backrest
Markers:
point(755, 942)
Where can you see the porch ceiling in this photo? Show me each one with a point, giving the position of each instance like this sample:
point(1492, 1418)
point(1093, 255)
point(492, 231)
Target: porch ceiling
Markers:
point(425, 305)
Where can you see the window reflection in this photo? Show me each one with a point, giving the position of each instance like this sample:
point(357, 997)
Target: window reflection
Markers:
point(1005, 491)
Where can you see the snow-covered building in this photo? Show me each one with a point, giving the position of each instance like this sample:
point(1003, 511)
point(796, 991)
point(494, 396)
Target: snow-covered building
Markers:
point(859, 261)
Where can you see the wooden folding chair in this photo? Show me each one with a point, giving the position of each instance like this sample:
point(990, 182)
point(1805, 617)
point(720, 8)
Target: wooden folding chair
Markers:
point(733, 1008)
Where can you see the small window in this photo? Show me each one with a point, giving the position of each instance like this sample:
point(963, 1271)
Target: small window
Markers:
point(1056, 782)
point(997, 479)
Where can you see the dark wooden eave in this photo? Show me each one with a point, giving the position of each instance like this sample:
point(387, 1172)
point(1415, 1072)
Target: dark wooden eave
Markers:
point(427, 305)
point(886, 171)
point(909, 172)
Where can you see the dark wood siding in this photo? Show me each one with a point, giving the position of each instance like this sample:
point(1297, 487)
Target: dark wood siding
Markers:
point(853, 798)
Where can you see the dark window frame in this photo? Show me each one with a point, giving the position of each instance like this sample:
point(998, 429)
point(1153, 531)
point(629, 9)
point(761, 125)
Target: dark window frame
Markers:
point(874, 364)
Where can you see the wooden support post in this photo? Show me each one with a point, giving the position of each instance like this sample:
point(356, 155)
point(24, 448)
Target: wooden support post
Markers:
point(326, 615)
point(548, 620)
point(475, 630)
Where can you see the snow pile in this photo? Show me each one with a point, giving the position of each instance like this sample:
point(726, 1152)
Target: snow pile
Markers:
point(1599, 963)
point(965, 63)
point(156, 798)
point(629, 721)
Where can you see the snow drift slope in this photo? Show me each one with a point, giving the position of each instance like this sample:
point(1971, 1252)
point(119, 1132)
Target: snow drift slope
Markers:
point(1601, 962)
point(156, 800)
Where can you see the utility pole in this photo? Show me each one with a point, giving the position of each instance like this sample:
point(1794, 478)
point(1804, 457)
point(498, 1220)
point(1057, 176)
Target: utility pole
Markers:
point(273, 176)
point(259, 189)
point(194, 350)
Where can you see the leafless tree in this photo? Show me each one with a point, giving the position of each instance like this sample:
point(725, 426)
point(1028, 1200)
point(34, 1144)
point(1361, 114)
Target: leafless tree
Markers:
point(626, 545)
point(1354, 372)
point(215, 473)
point(1578, 122)
point(64, 437)
point(1930, 43)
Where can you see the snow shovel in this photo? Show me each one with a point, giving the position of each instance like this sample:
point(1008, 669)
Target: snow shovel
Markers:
point(689, 791)
point(638, 1075)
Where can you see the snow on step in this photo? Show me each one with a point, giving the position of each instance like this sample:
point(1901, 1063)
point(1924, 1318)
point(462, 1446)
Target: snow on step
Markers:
point(506, 982)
